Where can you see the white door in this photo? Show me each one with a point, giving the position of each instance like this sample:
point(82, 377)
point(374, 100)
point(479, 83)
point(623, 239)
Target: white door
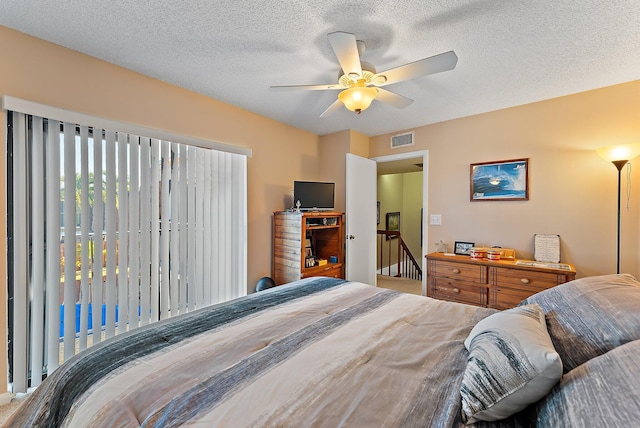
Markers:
point(360, 219)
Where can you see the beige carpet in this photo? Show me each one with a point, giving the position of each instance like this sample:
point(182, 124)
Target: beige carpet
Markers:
point(8, 409)
point(400, 284)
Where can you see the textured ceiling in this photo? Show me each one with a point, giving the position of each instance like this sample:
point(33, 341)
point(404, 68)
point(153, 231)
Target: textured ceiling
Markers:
point(510, 52)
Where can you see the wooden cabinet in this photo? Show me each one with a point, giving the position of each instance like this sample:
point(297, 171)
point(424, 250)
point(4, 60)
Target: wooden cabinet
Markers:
point(299, 236)
point(495, 284)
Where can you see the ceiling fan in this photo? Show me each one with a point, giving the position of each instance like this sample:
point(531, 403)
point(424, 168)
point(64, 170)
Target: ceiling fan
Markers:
point(359, 82)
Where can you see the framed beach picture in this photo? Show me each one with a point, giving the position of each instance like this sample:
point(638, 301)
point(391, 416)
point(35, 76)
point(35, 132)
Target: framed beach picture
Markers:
point(500, 181)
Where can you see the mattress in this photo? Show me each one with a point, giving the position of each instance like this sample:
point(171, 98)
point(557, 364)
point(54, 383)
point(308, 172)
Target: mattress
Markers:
point(317, 352)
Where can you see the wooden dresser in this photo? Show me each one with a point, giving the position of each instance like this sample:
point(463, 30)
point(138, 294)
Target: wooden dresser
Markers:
point(497, 284)
point(298, 235)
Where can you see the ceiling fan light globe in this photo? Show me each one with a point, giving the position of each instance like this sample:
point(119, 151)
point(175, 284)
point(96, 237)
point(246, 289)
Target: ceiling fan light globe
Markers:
point(358, 98)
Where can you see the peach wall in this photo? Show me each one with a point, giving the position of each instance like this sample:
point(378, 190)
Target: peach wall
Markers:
point(572, 191)
point(333, 149)
point(45, 73)
point(358, 144)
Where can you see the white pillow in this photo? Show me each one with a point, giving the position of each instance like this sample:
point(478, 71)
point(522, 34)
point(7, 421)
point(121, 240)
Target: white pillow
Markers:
point(511, 364)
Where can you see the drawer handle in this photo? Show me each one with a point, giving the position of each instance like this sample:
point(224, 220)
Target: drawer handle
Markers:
point(456, 290)
point(524, 280)
point(456, 270)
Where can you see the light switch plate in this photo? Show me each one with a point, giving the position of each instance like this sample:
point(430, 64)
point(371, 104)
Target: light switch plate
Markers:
point(435, 219)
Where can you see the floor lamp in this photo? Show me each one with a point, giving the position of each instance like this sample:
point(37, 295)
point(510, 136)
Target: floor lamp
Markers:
point(619, 155)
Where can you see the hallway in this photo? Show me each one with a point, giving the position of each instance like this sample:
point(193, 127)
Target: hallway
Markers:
point(400, 284)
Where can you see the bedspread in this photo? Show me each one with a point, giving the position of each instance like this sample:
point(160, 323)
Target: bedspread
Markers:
point(319, 352)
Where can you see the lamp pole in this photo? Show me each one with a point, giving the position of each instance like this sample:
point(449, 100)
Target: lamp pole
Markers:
point(620, 155)
point(619, 165)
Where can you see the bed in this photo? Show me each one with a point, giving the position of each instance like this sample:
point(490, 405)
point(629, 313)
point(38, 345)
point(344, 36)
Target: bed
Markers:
point(327, 352)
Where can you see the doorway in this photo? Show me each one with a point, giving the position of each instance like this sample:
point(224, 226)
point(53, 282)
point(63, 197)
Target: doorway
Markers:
point(405, 163)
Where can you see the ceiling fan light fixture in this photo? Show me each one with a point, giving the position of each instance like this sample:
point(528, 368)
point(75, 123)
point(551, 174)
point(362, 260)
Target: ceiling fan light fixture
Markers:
point(359, 81)
point(379, 79)
point(358, 98)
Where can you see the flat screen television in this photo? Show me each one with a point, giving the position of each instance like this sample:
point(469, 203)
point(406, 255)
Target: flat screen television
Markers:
point(313, 195)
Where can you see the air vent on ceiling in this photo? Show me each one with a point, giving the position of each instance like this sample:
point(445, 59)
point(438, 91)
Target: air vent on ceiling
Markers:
point(402, 140)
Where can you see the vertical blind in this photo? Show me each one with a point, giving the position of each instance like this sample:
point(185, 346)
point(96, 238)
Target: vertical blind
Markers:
point(109, 231)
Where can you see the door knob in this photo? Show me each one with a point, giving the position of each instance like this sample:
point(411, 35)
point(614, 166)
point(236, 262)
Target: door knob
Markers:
point(350, 237)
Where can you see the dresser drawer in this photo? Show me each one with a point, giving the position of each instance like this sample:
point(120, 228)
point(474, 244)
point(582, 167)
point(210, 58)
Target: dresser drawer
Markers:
point(458, 291)
point(333, 272)
point(523, 279)
point(330, 270)
point(505, 298)
point(460, 271)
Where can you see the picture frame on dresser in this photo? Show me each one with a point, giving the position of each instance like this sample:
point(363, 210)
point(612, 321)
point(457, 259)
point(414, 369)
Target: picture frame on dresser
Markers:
point(506, 180)
point(462, 248)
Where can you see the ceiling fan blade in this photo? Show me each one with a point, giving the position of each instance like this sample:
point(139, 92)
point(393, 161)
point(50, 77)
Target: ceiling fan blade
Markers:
point(393, 99)
point(333, 107)
point(307, 87)
point(434, 64)
point(346, 49)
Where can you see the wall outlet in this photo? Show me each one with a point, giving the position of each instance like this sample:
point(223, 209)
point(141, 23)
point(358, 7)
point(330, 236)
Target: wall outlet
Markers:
point(435, 219)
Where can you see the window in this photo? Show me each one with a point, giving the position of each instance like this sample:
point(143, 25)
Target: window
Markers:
point(109, 231)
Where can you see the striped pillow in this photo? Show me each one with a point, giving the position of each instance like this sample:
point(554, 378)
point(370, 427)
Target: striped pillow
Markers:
point(590, 316)
point(511, 364)
point(603, 392)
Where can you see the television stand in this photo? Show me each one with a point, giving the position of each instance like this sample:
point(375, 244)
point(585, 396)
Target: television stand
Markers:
point(307, 244)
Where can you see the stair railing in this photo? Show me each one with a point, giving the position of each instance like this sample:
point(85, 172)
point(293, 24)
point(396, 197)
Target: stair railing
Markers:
point(408, 266)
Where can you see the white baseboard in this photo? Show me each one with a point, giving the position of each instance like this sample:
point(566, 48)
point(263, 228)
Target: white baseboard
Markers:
point(385, 270)
point(5, 398)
